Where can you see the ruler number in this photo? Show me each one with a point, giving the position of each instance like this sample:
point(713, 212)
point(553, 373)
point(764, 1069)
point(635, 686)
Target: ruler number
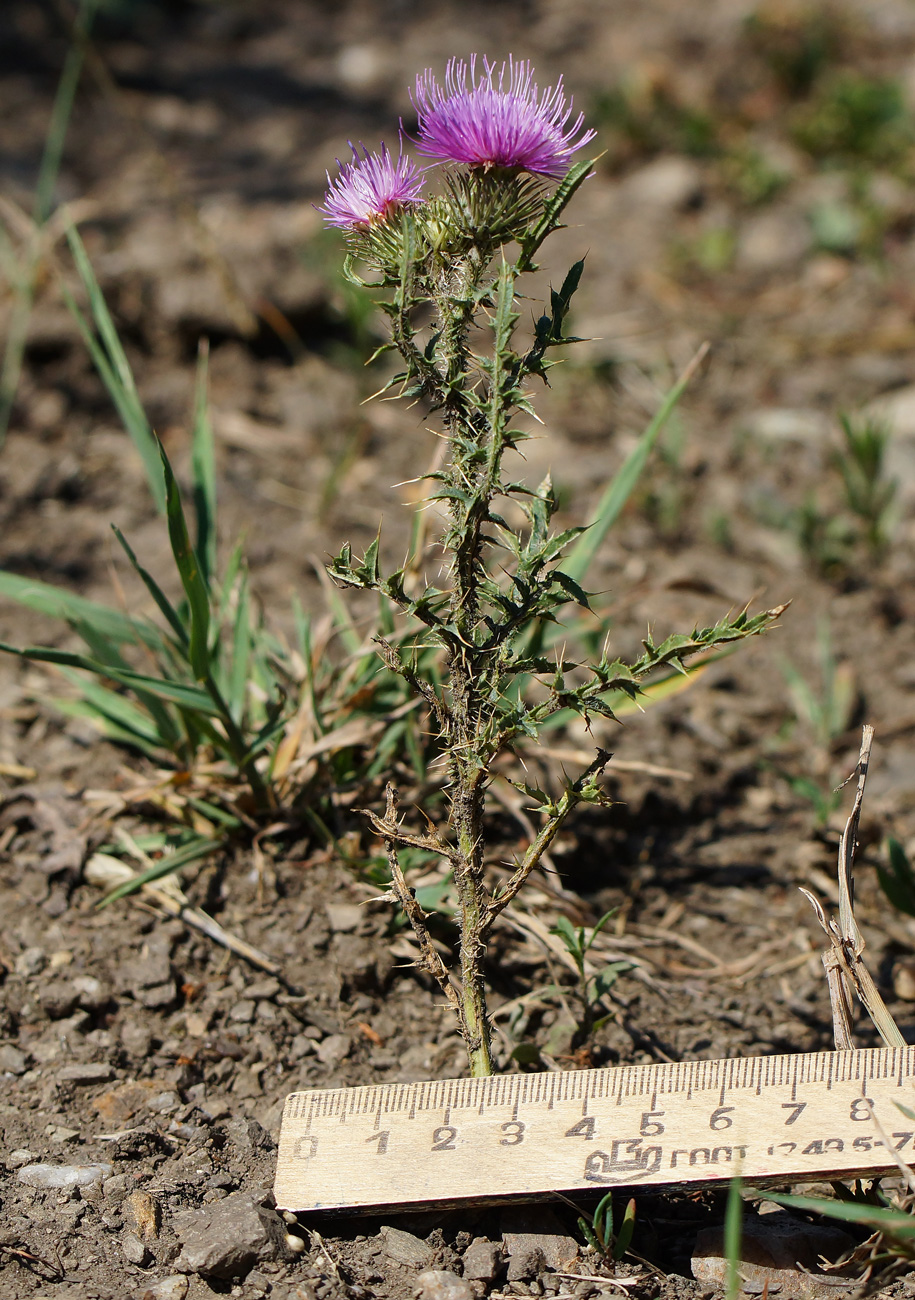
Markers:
point(583, 1129)
point(721, 1118)
point(649, 1127)
point(382, 1139)
point(797, 1108)
point(514, 1133)
point(443, 1138)
point(861, 1109)
point(906, 1137)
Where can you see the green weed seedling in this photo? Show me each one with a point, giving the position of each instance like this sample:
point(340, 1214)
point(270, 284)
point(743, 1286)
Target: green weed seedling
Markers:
point(591, 989)
point(834, 539)
point(897, 878)
point(858, 118)
point(21, 267)
point(599, 1233)
point(825, 712)
point(869, 494)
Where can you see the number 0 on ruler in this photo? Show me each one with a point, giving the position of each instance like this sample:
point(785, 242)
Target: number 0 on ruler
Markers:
point(523, 1135)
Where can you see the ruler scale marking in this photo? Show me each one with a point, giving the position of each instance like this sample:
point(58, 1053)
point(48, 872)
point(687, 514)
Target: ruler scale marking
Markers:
point(524, 1136)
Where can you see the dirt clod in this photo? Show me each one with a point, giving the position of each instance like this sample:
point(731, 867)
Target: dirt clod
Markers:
point(227, 1239)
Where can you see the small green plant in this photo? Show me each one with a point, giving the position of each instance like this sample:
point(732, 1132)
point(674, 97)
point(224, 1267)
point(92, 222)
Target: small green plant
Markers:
point(21, 267)
point(856, 117)
point(825, 711)
point(869, 494)
point(749, 174)
point(796, 42)
point(599, 1232)
point(640, 117)
point(591, 989)
point(834, 539)
point(897, 878)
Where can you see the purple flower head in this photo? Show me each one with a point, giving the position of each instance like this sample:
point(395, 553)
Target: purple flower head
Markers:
point(499, 119)
point(370, 188)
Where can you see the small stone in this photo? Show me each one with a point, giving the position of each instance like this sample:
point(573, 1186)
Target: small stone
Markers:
point(158, 996)
point(148, 971)
point(243, 1012)
point(85, 1075)
point(440, 1284)
point(778, 1251)
point(60, 1133)
point(665, 184)
point(196, 1023)
point(116, 1188)
point(44, 1175)
point(525, 1261)
point(344, 918)
point(263, 989)
point(12, 1061)
point(903, 980)
point(31, 961)
point(774, 241)
point(783, 424)
point(333, 1049)
point(58, 999)
point(91, 993)
point(21, 1156)
point(483, 1260)
point(120, 1104)
point(228, 1237)
point(170, 1288)
point(163, 1103)
point(526, 1230)
point(134, 1250)
point(404, 1248)
point(137, 1038)
point(146, 1214)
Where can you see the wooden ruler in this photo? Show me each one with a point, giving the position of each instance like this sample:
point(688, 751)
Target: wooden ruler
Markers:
point(523, 1136)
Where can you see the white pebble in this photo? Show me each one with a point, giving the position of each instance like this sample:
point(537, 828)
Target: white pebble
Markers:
point(62, 1175)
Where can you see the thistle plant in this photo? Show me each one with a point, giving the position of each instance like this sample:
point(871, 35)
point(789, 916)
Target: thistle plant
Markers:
point(446, 268)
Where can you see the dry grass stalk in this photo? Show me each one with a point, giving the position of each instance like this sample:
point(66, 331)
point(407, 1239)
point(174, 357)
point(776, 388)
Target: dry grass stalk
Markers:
point(843, 962)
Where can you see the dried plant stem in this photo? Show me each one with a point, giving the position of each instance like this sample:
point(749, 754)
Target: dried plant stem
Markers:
point(843, 962)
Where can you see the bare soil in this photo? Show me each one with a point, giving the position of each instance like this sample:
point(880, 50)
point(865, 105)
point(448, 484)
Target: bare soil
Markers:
point(198, 145)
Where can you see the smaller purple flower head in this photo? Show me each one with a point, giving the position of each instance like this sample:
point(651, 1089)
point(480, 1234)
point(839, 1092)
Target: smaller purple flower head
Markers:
point(497, 119)
point(369, 189)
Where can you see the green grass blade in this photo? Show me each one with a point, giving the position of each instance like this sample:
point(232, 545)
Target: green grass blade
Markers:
point(733, 1232)
point(185, 695)
point(107, 653)
point(165, 606)
point(43, 598)
point(109, 728)
point(878, 1218)
point(116, 373)
point(239, 673)
point(621, 486)
point(192, 579)
point(198, 848)
point(99, 701)
point(203, 467)
point(48, 172)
